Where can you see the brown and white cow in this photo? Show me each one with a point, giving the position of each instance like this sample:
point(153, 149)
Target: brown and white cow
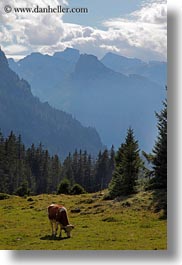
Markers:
point(58, 216)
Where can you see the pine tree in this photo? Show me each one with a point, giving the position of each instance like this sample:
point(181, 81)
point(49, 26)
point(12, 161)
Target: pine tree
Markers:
point(67, 171)
point(111, 165)
point(75, 166)
point(89, 175)
point(128, 164)
point(21, 173)
point(160, 151)
point(55, 173)
point(11, 162)
point(3, 174)
point(46, 172)
point(116, 184)
point(80, 176)
point(30, 161)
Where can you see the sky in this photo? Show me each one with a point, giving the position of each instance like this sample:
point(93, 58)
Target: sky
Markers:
point(132, 28)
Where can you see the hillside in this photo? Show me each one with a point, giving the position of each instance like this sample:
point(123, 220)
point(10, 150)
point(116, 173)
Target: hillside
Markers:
point(98, 94)
point(38, 122)
point(125, 224)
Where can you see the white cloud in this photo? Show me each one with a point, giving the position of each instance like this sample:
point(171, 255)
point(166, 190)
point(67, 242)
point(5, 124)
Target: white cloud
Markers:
point(31, 28)
point(109, 48)
point(5, 35)
point(15, 49)
point(141, 34)
point(145, 28)
point(154, 12)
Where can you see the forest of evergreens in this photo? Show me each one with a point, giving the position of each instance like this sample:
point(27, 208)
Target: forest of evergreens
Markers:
point(32, 170)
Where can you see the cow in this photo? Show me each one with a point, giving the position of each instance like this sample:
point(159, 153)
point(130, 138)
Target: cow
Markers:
point(57, 215)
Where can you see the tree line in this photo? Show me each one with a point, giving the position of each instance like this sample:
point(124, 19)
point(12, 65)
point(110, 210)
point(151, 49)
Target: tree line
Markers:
point(33, 171)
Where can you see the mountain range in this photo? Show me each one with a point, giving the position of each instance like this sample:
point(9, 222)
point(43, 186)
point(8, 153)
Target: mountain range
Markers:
point(110, 94)
point(153, 70)
point(37, 122)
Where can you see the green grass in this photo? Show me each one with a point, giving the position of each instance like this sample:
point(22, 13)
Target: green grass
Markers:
point(128, 224)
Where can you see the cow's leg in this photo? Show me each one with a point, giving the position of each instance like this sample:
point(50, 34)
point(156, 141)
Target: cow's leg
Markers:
point(52, 227)
point(56, 228)
point(60, 234)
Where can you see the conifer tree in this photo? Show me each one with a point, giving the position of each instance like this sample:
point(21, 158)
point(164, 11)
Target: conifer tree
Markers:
point(111, 164)
point(55, 172)
point(67, 171)
point(10, 163)
point(89, 175)
point(101, 170)
point(128, 164)
point(3, 174)
point(160, 151)
point(80, 176)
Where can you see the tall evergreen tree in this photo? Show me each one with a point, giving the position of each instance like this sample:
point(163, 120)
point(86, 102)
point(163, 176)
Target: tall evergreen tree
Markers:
point(11, 161)
point(80, 169)
point(89, 175)
point(160, 151)
point(128, 164)
point(4, 179)
point(67, 171)
point(111, 164)
point(103, 169)
point(55, 173)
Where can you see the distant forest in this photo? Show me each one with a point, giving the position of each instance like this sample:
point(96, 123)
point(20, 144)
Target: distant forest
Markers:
point(33, 171)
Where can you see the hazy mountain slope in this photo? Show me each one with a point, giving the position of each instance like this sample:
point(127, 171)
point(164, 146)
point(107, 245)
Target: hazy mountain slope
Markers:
point(37, 122)
point(112, 102)
point(155, 71)
point(45, 72)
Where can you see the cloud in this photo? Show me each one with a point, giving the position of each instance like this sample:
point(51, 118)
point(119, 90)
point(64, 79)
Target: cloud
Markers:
point(48, 32)
point(145, 28)
point(15, 49)
point(141, 34)
point(31, 29)
point(154, 12)
point(110, 48)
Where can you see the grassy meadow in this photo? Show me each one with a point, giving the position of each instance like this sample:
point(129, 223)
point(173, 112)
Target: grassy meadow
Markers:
point(126, 224)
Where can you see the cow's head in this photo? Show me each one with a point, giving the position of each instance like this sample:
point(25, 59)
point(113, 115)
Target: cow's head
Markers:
point(68, 229)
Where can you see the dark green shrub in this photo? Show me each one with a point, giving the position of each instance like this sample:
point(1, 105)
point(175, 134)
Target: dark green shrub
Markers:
point(4, 196)
point(77, 189)
point(22, 190)
point(64, 187)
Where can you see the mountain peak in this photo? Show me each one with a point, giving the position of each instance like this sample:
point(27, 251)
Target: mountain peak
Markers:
point(3, 59)
point(68, 54)
point(120, 58)
point(88, 66)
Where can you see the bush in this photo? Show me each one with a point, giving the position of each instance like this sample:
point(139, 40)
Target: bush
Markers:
point(22, 190)
point(77, 189)
point(4, 196)
point(64, 187)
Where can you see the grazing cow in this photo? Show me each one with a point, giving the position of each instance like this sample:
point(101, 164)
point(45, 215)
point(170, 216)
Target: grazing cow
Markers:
point(58, 215)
